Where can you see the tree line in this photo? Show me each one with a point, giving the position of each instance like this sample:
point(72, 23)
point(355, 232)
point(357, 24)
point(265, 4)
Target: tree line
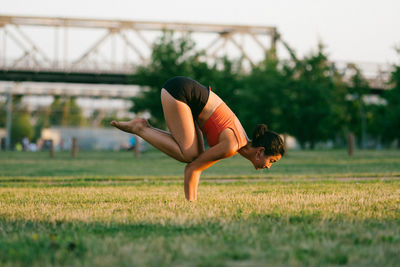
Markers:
point(303, 97)
point(307, 97)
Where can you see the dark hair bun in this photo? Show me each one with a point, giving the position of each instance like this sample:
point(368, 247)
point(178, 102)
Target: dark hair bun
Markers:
point(271, 141)
point(259, 131)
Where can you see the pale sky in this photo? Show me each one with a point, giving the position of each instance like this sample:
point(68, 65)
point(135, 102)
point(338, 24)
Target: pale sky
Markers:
point(352, 30)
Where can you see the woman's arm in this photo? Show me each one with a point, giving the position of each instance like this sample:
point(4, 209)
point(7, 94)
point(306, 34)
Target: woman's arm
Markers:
point(224, 149)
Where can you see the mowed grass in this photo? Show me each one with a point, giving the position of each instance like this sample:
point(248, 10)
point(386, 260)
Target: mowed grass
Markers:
point(152, 164)
point(110, 209)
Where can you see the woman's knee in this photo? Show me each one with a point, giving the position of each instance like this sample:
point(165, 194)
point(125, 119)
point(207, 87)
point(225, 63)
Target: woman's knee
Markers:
point(189, 156)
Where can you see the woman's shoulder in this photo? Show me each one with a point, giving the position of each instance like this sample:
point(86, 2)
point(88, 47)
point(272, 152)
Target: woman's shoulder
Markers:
point(233, 140)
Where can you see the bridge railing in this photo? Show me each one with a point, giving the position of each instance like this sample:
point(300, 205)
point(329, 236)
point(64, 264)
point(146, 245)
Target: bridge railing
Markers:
point(67, 67)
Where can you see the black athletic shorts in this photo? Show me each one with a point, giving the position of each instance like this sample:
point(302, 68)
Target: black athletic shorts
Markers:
point(188, 91)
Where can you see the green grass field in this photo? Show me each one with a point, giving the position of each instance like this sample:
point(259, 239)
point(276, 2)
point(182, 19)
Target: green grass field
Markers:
point(110, 209)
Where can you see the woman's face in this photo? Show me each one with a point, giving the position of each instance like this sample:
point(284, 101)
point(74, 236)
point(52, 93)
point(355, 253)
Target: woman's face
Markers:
point(264, 162)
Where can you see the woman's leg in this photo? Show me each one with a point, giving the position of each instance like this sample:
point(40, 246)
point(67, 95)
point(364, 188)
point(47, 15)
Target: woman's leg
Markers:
point(160, 139)
point(181, 143)
point(179, 119)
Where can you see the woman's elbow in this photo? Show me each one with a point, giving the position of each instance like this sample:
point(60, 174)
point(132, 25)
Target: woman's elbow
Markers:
point(231, 152)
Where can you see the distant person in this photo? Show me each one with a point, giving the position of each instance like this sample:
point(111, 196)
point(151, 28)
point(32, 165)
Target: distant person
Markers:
point(25, 143)
point(188, 107)
point(132, 143)
point(32, 147)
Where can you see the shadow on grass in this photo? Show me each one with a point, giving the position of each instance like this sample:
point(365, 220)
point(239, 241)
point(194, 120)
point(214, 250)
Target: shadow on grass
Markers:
point(306, 239)
point(59, 242)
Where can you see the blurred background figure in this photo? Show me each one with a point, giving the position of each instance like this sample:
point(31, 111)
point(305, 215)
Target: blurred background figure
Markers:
point(132, 142)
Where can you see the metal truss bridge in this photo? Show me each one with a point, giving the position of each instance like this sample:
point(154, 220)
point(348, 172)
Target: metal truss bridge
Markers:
point(97, 51)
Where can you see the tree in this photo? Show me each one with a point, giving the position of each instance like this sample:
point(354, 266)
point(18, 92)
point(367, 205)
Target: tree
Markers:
point(263, 96)
point(75, 117)
point(226, 80)
point(42, 121)
point(356, 115)
point(170, 57)
point(56, 111)
point(392, 96)
point(375, 114)
point(314, 102)
point(65, 112)
point(21, 127)
point(3, 115)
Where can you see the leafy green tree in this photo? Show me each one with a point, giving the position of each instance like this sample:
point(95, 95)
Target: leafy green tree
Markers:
point(21, 127)
point(364, 119)
point(356, 119)
point(305, 99)
point(65, 112)
point(42, 121)
point(314, 102)
point(375, 114)
point(226, 79)
point(56, 111)
point(3, 115)
point(392, 96)
point(75, 117)
point(339, 111)
point(170, 57)
point(263, 96)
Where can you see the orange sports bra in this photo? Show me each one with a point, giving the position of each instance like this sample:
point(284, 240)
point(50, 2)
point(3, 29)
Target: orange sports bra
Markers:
point(220, 119)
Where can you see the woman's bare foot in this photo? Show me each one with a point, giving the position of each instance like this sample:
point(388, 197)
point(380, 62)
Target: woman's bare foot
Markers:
point(134, 126)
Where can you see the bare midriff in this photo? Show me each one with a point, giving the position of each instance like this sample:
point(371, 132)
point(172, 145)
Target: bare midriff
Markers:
point(213, 102)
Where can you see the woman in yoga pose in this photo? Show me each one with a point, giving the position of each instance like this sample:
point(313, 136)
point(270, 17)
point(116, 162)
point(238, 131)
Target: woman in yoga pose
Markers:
point(191, 109)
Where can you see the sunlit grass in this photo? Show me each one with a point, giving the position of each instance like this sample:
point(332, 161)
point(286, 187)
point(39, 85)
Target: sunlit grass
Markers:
point(297, 214)
point(155, 203)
